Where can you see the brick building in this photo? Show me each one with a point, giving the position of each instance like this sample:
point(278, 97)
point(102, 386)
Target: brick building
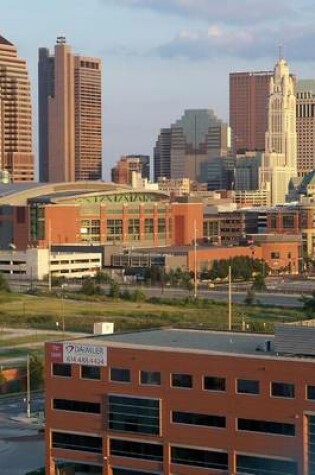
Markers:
point(182, 401)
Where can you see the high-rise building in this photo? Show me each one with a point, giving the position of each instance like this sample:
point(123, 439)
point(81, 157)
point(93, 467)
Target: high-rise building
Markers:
point(249, 92)
point(279, 163)
point(16, 153)
point(122, 172)
point(305, 126)
point(70, 115)
point(188, 148)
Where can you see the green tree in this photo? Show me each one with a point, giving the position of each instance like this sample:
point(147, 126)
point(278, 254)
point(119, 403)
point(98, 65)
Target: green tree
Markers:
point(36, 371)
point(250, 296)
point(259, 283)
point(89, 287)
point(4, 286)
point(308, 304)
point(102, 278)
point(114, 290)
point(138, 296)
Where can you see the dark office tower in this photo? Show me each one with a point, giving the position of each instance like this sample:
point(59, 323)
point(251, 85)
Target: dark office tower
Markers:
point(305, 126)
point(162, 155)
point(192, 147)
point(45, 91)
point(70, 115)
point(249, 93)
point(16, 153)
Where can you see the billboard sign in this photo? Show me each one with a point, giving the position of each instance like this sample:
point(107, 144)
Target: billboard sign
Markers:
point(79, 353)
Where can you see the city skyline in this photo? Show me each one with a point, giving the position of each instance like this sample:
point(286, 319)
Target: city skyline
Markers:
point(146, 47)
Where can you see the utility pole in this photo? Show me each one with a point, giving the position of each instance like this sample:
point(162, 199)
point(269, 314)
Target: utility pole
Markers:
point(28, 387)
point(49, 253)
point(195, 260)
point(230, 299)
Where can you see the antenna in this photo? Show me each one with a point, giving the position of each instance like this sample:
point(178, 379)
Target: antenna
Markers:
point(280, 48)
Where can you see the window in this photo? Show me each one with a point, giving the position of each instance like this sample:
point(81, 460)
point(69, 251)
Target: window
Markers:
point(199, 458)
point(282, 390)
point(70, 441)
point(61, 369)
point(149, 226)
point(247, 386)
point(76, 406)
point(196, 419)
point(121, 375)
point(275, 255)
point(150, 377)
point(127, 471)
point(214, 383)
point(182, 380)
point(267, 427)
point(310, 443)
point(311, 393)
point(90, 372)
point(114, 229)
point(161, 225)
point(132, 414)
point(265, 466)
point(134, 228)
point(137, 450)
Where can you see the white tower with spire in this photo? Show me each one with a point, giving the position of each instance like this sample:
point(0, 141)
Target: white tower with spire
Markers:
point(280, 161)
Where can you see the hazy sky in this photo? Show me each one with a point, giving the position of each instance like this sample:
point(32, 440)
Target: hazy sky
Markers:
point(162, 56)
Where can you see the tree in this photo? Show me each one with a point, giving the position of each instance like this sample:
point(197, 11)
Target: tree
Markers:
point(249, 299)
point(89, 287)
point(4, 286)
point(102, 277)
point(308, 304)
point(259, 283)
point(114, 290)
point(138, 296)
point(36, 371)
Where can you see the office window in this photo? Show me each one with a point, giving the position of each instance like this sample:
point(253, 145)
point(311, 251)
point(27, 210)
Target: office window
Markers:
point(275, 255)
point(214, 383)
point(61, 369)
point(90, 372)
point(254, 465)
point(268, 427)
point(137, 450)
point(127, 471)
point(150, 377)
point(247, 386)
point(282, 390)
point(311, 393)
point(193, 418)
point(70, 441)
point(182, 380)
point(199, 458)
point(120, 374)
point(76, 406)
point(132, 414)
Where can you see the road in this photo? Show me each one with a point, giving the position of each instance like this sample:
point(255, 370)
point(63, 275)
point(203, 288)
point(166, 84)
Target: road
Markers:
point(266, 298)
point(21, 445)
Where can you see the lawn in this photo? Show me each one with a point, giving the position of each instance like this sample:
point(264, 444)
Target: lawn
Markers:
point(43, 312)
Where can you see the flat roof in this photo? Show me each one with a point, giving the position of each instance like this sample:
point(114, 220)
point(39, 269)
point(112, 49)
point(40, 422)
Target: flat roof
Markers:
point(189, 340)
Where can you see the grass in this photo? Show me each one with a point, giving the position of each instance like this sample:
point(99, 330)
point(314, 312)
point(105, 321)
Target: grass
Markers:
point(42, 312)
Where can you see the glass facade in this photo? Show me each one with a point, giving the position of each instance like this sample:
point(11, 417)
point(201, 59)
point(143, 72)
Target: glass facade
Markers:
point(132, 414)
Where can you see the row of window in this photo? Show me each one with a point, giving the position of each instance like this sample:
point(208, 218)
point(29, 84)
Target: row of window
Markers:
point(181, 380)
point(196, 457)
point(142, 415)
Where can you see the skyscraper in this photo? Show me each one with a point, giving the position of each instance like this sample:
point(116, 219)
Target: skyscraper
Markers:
point(70, 115)
point(249, 92)
point(305, 126)
point(279, 161)
point(189, 148)
point(16, 154)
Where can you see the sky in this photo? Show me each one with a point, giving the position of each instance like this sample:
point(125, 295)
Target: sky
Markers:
point(161, 57)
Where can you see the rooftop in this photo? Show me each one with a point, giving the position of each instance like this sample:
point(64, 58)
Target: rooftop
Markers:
point(4, 41)
point(189, 340)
